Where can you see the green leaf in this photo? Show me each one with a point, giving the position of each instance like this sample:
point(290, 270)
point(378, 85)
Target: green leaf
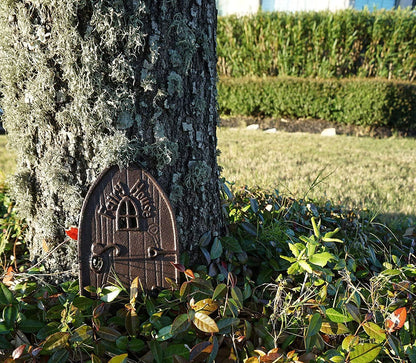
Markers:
point(337, 316)
point(219, 292)
point(225, 324)
point(10, 315)
point(82, 303)
point(82, 334)
point(4, 343)
point(180, 324)
point(349, 342)
point(354, 312)
point(364, 353)
point(306, 266)
point(254, 205)
point(165, 333)
point(6, 296)
point(122, 342)
point(176, 349)
point(294, 269)
point(314, 325)
point(237, 295)
point(374, 331)
point(122, 358)
point(110, 293)
point(248, 227)
point(55, 341)
point(31, 326)
point(321, 259)
point(136, 345)
point(231, 244)
point(216, 249)
point(294, 249)
point(316, 228)
point(109, 334)
point(59, 356)
point(156, 351)
point(4, 329)
point(334, 328)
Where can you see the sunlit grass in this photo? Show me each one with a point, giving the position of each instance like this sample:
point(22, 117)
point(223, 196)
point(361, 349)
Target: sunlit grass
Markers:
point(378, 174)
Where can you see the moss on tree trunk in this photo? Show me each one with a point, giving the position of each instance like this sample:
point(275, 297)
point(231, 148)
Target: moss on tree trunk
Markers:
point(92, 83)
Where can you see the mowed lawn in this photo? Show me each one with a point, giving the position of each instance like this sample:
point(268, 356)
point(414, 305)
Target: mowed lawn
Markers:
point(376, 174)
point(358, 172)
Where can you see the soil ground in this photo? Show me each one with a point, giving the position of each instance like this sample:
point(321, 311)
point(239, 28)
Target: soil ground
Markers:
point(312, 126)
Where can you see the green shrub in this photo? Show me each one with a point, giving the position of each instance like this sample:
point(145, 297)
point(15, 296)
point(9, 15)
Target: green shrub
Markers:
point(324, 44)
point(363, 102)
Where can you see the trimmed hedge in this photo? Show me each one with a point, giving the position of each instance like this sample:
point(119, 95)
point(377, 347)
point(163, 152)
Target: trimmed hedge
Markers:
point(319, 44)
point(364, 102)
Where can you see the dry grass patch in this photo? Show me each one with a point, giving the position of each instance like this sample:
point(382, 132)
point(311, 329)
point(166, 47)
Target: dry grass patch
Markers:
point(379, 174)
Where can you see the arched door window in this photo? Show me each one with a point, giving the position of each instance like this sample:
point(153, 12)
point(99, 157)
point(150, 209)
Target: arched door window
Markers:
point(128, 215)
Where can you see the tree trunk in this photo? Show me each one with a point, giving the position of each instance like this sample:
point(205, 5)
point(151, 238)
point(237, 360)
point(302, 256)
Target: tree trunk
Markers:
point(93, 83)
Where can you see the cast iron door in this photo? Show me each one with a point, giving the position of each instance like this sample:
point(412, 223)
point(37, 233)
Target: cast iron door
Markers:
point(127, 229)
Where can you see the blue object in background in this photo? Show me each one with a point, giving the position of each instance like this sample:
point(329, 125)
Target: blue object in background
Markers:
point(379, 4)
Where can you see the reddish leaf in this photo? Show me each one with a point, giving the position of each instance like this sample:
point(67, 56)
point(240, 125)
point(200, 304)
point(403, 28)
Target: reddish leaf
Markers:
point(396, 320)
point(72, 233)
point(17, 353)
point(178, 266)
point(189, 273)
point(8, 277)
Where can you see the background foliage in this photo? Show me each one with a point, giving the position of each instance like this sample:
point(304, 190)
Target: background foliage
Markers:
point(346, 43)
point(364, 102)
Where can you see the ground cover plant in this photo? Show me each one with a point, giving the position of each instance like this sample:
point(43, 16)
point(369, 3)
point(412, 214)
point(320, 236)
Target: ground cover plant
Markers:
point(290, 281)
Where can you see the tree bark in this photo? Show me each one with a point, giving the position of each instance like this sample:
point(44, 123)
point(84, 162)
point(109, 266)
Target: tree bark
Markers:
point(93, 83)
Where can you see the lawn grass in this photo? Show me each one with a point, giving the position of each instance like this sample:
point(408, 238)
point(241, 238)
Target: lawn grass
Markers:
point(376, 174)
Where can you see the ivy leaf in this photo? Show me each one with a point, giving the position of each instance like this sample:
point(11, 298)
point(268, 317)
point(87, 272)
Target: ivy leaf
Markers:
point(206, 324)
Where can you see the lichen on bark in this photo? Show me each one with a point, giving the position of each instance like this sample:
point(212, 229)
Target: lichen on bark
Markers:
point(92, 83)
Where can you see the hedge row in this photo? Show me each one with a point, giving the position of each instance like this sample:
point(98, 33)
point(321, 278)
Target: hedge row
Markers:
point(364, 102)
point(324, 44)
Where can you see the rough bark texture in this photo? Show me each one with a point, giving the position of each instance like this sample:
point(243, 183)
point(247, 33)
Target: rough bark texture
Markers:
point(91, 83)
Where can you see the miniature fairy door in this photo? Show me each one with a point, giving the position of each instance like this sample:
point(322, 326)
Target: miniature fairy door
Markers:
point(127, 229)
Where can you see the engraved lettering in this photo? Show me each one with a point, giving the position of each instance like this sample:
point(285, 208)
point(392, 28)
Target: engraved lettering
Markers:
point(120, 191)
